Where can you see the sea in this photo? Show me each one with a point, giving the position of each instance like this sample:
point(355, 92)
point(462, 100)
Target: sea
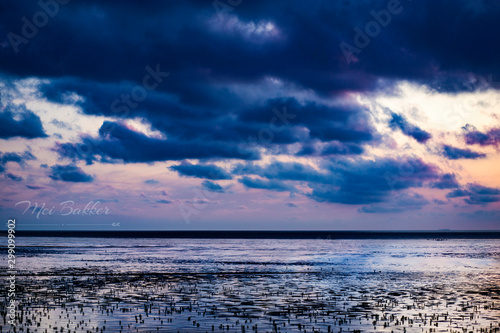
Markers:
point(295, 282)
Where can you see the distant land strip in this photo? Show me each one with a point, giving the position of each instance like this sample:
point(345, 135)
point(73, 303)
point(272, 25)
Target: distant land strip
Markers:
point(289, 234)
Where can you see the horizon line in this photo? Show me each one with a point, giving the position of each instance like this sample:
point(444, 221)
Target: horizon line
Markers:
point(267, 234)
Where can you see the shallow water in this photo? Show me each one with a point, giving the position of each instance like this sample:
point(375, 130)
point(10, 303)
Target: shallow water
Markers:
point(37, 254)
point(188, 285)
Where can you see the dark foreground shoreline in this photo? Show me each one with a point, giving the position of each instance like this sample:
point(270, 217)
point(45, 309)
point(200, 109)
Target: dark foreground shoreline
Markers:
point(308, 302)
point(229, 234)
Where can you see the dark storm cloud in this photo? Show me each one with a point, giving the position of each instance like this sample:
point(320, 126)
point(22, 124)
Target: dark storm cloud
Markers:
point(489, 138)
point(13, 177)
point(277, 121)
point(345, 181)
point(117, 142)
point(163, 201)
point(207, 171)
point(458, 193)
point(120, 99)
point(493, 215)
point(400, 122)
point(454, 153)
point(69, 173)
point(435, 42)
point(104, 51)
point(272, 185)
point(307, 150)
point(367, 182)
point(342, 149)
point(85, 150)
point(159, 30)
point(345, 124)
point(15, 158)
point(34, 187)
point(446, 181)
point(328, 149)
point(22, 123)
point(481, 199)
point(284, 171)
point(400, 204)
point(475, 194)
point(212, 187)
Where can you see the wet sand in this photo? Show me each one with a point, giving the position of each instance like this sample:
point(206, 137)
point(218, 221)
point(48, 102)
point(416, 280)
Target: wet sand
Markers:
point(92, 300)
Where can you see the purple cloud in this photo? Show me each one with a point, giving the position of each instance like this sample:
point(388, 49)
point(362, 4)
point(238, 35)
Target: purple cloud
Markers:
point(475, 194)
point(454, 153)
point(69, 173)
point(400, 122)
point(23, 124)
point(474, 137)
point(208, 171)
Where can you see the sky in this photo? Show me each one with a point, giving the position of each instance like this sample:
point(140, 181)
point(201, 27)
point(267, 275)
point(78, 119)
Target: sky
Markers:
point(250, 115)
